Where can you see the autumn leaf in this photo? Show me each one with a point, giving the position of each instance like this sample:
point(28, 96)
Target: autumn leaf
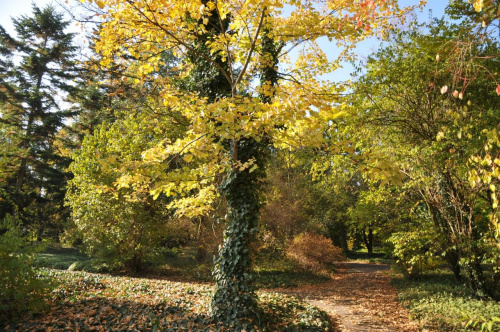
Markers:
point(478, 5)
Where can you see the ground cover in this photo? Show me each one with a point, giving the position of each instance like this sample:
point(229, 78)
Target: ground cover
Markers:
point(358, 297)
point(57, 257)
point(182, 265)
point(96, 302)
point(441, 303)
point(362, 256)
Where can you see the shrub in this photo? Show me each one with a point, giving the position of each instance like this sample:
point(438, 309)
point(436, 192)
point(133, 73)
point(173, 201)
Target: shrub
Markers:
point(119, 224)
point(21, 287)
point(314, 252)
point(415, 252)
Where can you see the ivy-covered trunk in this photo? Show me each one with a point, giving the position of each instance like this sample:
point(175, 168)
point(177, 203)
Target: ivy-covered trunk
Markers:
point(234, 301)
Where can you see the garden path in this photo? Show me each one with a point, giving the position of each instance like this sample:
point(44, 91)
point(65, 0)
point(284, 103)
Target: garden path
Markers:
point(359, 297)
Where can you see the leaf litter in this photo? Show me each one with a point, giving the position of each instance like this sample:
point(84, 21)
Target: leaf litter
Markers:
point(92, 302)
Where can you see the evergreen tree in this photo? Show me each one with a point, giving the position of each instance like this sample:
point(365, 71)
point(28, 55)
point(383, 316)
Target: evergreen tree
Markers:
point(36, 70)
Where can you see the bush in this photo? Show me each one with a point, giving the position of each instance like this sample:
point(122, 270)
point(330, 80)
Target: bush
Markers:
point(415, 252)
point(314, 252)
point(119, 224)
point(21, 287)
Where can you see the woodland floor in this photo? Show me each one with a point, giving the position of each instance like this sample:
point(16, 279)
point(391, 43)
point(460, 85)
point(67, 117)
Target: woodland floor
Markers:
point(359, 297)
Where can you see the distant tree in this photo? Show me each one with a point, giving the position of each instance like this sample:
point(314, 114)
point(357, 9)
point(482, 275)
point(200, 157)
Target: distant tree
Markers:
point(36, 72)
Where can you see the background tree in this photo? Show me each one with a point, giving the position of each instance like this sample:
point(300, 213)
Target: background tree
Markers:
point(411, 98)
point(124, 227)
point(36, 70)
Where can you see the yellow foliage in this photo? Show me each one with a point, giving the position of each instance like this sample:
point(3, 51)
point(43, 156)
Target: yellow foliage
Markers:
point(304, 102)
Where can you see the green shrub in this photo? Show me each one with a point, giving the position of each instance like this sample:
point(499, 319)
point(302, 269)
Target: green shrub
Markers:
point(415, 252)
point(121, 225)
point(314, 252)
point(485, 324)
point(21, 286)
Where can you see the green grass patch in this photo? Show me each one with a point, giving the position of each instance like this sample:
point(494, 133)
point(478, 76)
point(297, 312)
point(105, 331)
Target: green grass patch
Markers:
point(84, 301)
point(181, 265)
point(363, 256)
point(441, 303)
point(60, 258)
point(270, 271)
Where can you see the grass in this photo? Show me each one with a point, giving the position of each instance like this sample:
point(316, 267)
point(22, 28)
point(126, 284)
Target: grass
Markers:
point(60, 258)
point(269, 271)
point(363, 256)
point(441, 303)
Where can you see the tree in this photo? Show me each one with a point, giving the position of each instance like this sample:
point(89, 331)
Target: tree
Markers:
point(35, 68)
point(227, 132)
point(411, 97)
point(118, 223)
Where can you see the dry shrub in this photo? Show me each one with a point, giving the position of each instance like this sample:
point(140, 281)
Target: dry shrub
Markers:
point(314, 252)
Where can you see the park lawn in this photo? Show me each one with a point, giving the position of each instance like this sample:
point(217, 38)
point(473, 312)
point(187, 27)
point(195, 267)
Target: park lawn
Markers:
point(84, 301)
point(57, 257)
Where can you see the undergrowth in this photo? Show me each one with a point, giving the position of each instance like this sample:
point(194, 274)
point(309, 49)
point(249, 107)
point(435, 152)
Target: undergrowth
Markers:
point(84, 301)
point(361, 256)
point(271, 271)
point(441, 303)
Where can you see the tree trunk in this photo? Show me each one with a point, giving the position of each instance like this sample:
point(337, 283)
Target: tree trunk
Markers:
point(234, 296)
point(452, 259)
point(368, 240)
point(473, 271)
point(337, 232)
point(235, 301)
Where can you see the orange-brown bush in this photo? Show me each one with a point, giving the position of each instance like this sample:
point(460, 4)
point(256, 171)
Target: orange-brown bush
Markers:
point(314, 252)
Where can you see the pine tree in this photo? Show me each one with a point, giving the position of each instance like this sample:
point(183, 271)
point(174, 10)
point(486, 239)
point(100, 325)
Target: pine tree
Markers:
point(36, 72)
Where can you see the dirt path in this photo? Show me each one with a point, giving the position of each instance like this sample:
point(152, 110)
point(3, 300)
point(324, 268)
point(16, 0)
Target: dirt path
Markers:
point(359, 298)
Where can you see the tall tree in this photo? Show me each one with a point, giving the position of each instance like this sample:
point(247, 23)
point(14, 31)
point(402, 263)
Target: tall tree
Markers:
point(410, 97)
point(227, 133)
point(36, 69)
